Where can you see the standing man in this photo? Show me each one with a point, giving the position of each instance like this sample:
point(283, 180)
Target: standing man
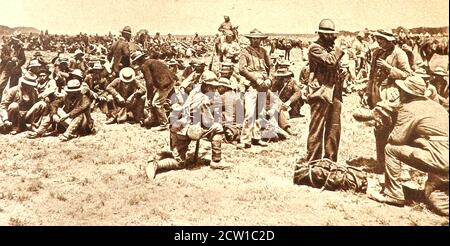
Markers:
point(159, 82)
point(389, 63)
point(254, 66)
point(325, 95)
point(119, 54)
point(419, 139)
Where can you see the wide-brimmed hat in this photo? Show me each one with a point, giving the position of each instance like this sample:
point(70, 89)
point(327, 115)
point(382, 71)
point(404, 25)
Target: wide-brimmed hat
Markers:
point(209, 78)
point(200, 62)
point(126, 29)
point(386, 34)
point(225, 82)
point(136, 55)
point(34, 63)
point(96, 66)
point(73, 85)
point(413, 85)
point(421, 72)
point(284, 64)
point(78, 52)
point(326, 26)
point(37, 53)
point(171, 62)
point(226, 65)
point(28, 79)
point(127, 74)
point(77, 73)
point(440, 71)
point(44, 70)
point(281, 72)
point(255, 33)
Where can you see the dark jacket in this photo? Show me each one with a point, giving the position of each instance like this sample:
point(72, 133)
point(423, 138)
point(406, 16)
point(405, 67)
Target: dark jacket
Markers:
point(120, 51)
point(323, 67)
point(157, 74)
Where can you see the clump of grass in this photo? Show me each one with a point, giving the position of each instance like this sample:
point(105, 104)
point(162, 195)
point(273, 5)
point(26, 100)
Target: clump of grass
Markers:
point(17, 222)
point(23, 197)
point(136, 199)
point(35, 186)
point(61, 197)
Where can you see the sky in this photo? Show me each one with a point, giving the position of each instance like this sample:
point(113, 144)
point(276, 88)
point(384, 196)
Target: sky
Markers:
point(204, 16)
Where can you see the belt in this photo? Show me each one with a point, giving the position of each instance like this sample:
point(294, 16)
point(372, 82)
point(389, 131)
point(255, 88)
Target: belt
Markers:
point(438, 138)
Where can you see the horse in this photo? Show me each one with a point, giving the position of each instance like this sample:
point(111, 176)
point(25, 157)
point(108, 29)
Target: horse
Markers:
point(429, 47)
point(283, 44)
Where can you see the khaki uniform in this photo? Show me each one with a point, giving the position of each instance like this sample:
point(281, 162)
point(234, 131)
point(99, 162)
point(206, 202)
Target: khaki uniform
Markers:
point(383, 92)
point(254, 64)
point(79, 121)
point(196, 111)
point(420, 139)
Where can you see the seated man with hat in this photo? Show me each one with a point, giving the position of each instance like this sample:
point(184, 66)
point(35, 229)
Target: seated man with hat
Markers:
point(16, 102)
point(419, 139)
point(189, 69)
point(194, 77)
point(97, 80)
point(232, 109)
point(41, 110)
point(227, 70)
point(439, 80)
point(128, 97)
point(35, 66)
point(159, 83)
point(290, 93)
point(194, 122)
point(74, 113)
point(78, 62)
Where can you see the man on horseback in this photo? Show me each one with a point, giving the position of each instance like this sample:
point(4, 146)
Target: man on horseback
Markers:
point(227, 26)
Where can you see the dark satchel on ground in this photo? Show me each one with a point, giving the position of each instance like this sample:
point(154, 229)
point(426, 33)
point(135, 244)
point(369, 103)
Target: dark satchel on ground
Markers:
point(328, 175)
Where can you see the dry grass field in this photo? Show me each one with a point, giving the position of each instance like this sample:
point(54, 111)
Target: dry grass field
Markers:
point(100, 180)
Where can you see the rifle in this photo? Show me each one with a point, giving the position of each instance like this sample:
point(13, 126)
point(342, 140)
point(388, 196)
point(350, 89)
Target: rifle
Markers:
point(212, 61)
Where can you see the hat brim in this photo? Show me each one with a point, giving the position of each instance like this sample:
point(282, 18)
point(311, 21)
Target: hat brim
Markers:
point(212, 83)
point(137, 58)
point(283, 74)
point(123, 79)
point(327, 31)
point(388, 38)
point(440, 73)
point(255, 36)
point(401, 84)
point(71, 90)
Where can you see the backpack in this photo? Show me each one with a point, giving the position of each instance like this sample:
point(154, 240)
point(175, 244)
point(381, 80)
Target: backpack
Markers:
point(328, 175)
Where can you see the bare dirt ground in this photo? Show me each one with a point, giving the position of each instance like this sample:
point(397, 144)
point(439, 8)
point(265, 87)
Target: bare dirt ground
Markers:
point(100, 180)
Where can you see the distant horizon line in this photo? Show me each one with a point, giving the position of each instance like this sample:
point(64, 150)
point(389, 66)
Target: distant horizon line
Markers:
point(179, 34)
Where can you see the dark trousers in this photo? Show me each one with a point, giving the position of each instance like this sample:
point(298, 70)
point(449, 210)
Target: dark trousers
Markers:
point(324, 130)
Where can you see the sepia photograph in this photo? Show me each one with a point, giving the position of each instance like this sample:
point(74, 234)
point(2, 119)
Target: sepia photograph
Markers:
point(224, 113)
